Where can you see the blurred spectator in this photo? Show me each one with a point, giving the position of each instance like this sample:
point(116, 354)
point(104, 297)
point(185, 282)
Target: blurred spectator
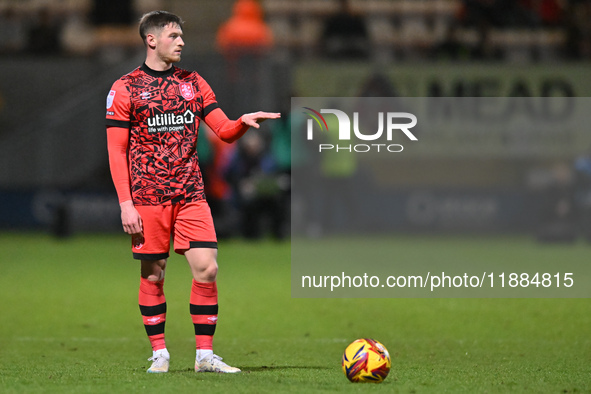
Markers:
point(214, 159)
point(12, 32)
point(245, 40)
point(582, 193)
point(281, 151)
point(257, 188)
point(484, 48)
point(280, 147)
point(245, 31)
point(44, 36)
point(112, 12)
point(548, 12)
point(452, 47)
point(336, 199)
point(556, 216)
point(497, 13)
point(345, 34)
point(578, 30)
point(377, 84)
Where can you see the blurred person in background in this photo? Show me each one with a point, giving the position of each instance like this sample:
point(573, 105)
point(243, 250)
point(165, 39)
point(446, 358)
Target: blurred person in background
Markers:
point(217, 189)
point(112, 12)
point(12, 30)
point(578, 28)
point(345, 35)
point(245, 31)
point(244, 40)
point(556, 213)
point(44, 36)
point(452, 47)
point(582, 193)
point(258, 188)
point(153, 117)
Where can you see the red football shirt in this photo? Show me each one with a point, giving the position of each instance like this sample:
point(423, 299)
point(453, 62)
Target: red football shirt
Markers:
point(162, 110)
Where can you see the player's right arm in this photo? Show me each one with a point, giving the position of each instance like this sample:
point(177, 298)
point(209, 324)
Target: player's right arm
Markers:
point(117, 142)
point(118, 105)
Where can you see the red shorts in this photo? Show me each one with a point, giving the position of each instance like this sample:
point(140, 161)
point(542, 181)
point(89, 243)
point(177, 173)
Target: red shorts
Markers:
point(190, 225)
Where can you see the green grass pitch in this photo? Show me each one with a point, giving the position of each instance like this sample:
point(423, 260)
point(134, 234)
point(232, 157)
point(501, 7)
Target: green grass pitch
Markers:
point(69, 323)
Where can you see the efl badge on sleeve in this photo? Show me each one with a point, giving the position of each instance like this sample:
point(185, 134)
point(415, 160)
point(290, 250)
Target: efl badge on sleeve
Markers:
point(110, 99)
point(187, 91)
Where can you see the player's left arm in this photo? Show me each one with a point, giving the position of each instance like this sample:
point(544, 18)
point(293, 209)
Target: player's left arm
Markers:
point(231, 130)
point(228, 130)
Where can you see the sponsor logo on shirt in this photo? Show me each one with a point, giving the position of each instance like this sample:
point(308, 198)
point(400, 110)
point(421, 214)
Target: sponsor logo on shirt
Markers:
point(170, 122)
point(110, 99)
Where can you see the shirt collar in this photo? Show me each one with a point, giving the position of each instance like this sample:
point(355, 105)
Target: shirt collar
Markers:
point(157, 74)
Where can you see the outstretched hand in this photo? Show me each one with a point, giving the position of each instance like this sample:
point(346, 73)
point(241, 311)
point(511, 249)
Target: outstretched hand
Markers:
point(254, 119)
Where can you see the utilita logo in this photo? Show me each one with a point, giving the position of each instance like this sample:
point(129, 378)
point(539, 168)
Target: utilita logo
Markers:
point(168, 122)
point(388, 124)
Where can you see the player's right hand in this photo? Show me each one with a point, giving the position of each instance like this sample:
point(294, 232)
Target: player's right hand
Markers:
point(131, 219)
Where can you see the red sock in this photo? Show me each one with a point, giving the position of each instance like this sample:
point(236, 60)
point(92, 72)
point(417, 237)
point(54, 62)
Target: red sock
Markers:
point(153, 309)
point(204, 312)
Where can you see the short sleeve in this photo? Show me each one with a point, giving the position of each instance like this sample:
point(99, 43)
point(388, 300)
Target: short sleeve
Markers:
point(118, 105)
point(209, 100)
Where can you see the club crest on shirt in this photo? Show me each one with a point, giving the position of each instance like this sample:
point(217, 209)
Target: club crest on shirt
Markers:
point(187, 91)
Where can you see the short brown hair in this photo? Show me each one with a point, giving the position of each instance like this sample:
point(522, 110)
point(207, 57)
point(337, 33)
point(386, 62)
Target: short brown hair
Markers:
point(156, 20)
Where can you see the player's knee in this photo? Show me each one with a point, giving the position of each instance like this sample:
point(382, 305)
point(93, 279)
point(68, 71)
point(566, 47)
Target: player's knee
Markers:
point(205, 272)
point(153, 270)
point(210, 272)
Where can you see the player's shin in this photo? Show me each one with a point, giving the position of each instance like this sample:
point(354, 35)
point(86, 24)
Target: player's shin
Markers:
point(153, 309)
point(204, 314)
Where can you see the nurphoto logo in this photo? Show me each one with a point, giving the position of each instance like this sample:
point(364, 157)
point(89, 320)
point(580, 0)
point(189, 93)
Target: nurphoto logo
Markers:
point(389, 123)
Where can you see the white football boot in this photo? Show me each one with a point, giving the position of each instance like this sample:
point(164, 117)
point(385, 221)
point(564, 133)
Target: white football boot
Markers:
point(214, 363)
point(160, 361)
